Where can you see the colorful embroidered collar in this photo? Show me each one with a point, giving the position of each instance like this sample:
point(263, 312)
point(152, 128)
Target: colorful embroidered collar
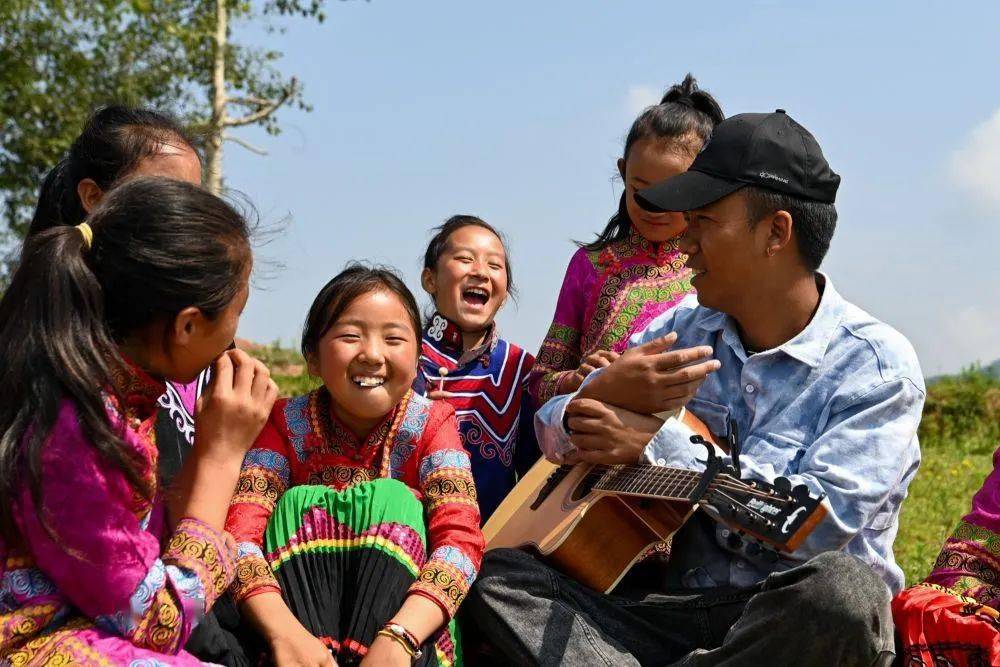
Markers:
point(333, 436)
point(447, 337)
point(661, 254)
point(139, 390)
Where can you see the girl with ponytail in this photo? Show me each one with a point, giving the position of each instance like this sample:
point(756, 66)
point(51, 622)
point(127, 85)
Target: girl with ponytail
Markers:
point(633, 271)
point(96, 566)
point(118, 142)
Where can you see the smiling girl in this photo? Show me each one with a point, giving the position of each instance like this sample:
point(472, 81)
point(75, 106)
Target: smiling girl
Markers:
point(465, 362)
point(633, 271)
point(355, 513)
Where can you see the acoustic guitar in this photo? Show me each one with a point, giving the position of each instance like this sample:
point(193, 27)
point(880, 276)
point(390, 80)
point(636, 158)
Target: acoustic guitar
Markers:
point(593, 522)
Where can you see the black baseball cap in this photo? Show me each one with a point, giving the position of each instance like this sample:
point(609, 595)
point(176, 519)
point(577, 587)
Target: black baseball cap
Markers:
point(769, 150)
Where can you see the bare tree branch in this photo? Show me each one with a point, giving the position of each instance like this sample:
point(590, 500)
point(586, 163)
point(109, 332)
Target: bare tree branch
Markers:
point(244, 143)
point(264, 111)
point(251, 100)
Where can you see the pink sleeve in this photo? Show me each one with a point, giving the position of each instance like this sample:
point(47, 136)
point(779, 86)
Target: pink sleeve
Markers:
point(560, 353)
point(102, 558)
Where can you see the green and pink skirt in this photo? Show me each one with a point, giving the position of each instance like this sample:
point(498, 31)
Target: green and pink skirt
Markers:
point(345, 561)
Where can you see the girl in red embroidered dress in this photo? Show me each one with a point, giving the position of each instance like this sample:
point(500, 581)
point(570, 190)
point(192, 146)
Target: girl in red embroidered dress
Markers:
point(329, 514)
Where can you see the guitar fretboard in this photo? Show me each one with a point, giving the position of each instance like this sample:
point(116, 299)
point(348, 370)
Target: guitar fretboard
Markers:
point(649, 480)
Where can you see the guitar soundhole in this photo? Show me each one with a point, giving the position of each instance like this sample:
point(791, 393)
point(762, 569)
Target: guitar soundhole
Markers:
point(585, 486)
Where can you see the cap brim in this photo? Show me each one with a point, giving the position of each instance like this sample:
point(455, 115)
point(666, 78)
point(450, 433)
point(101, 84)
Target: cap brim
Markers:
point(686, 192)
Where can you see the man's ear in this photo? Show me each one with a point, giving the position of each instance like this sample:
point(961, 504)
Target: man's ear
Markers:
point(90, 194)
point(779, 234)
point(621, 167)
point(186, 325)
point(428, 281)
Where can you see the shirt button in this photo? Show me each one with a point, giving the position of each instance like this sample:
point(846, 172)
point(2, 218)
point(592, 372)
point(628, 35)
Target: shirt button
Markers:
point(661, 462)
point(750, 388)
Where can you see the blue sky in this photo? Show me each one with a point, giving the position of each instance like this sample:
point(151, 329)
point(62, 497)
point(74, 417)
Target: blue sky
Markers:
point(516, 112)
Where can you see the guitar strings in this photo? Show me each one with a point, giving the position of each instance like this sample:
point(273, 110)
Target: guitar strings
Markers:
point(662, 476)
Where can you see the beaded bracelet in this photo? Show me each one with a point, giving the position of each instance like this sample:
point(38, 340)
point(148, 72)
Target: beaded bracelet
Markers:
point(404, 638)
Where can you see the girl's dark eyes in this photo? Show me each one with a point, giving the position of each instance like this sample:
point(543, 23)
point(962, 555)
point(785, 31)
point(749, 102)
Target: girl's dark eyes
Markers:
point(496, 267)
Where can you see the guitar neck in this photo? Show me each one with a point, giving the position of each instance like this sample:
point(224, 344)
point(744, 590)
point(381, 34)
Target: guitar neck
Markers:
point(650, 481)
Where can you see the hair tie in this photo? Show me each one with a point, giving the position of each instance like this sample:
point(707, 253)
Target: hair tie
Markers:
point(87, 233)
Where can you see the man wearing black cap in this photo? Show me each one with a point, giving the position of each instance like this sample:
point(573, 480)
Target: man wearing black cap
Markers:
point(819, 391)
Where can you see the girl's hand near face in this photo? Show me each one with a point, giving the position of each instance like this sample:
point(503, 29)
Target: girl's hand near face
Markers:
point(235, 407)
point(229, 417)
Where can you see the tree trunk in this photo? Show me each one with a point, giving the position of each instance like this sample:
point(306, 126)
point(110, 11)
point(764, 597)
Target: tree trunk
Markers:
point(213, 147)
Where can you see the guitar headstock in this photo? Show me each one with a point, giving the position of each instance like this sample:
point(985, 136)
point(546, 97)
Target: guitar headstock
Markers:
point(777, 514)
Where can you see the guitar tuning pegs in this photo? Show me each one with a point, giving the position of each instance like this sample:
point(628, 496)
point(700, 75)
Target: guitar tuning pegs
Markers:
point(800, 492)
point(782, 485)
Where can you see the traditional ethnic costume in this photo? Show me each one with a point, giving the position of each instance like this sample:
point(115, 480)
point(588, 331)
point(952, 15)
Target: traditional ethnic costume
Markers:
point(345, 529)
point(489, 393)
point(175, 424)
point(606, 296)
point(111, 584)
point(953, 617)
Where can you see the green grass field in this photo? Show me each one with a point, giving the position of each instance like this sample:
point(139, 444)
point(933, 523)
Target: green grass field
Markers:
point(959, 432)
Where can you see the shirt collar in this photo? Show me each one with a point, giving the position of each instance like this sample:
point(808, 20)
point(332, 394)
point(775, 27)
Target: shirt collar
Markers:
point(809, 345)
point(447, 337)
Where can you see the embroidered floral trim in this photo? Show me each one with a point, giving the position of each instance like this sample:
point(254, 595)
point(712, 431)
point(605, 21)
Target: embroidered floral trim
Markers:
point(449, 486)
point(259, 486)
point(444, 583)
point(969, 563)
point(253, 575)
point(197, 547)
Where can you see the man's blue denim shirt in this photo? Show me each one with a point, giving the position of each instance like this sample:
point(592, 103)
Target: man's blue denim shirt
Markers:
point(835, 408)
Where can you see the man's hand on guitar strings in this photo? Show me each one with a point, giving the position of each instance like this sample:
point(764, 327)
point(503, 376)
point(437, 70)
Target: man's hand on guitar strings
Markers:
point(652, 377)
point(606, 434)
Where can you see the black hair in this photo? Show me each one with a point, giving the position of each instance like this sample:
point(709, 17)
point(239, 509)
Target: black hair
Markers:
point(114, 140)
point(685, 110)
point(158, 246)
point(337, 295)
point(438, 243)
point(813, 222)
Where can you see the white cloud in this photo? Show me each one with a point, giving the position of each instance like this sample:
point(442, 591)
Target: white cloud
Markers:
point(639, 97)
point(975, 167)
point(969, 335)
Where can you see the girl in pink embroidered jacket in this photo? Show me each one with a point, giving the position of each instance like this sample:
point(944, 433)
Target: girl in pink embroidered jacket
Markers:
point(633, 271)
point(94, 568)
point(118, 142)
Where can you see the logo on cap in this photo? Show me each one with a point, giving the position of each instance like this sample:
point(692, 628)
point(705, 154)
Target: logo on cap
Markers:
point(773, 177)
